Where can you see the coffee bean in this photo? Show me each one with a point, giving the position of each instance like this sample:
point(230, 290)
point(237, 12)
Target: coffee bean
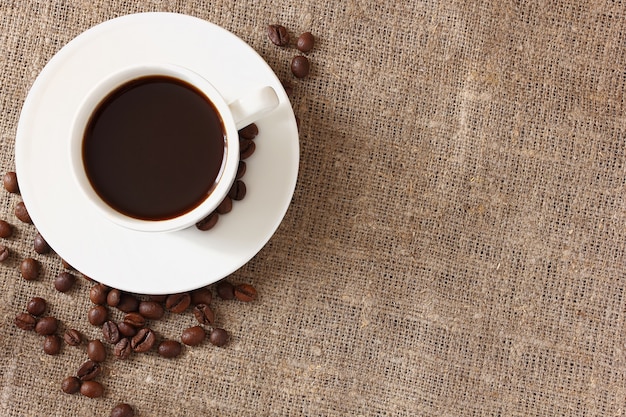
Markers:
point(36, 306)
point(225, 290)
point(241, 170)
point(29, 268)
point(114, 297)
point(96, 351)
point(71, 385)
point(225, 206)
point(73, 337)
point(97, 315)
point(135, 319)
point(177, 303)
point(123, 349)
point(151, 310)
point(237, 191)
point(110, 332)
point(169, 348)
point(4, 253)
point(122, 410)
point(25, 321)
point(22, 214)
point(10, 182)
point(52, 344)
point(66, 265)
point(249, 132)
point(201, 296)
point(92, 389)
point(40, 245)
point(64, 282)
point(88, 371)
point(126, 329)
point(278, 34)
point(143, 340)
point(158, 298)
point(300, 66)
point(305, 42)
point(6, 230)
point(246, 148)
point(204, 314)
point(208, 222)
point(245, 292)
point(47, 325)
point(193, 336)
point(128, 303)
point(218, 337)
point(98, 294)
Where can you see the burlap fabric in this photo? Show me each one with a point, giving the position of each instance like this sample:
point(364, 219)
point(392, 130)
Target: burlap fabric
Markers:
point(455, 245)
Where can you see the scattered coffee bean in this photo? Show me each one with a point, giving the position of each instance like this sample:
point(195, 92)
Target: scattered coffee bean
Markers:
point(278, 34)
point(249, 132)
point(241, 170)
point(36, 306)
point(40, 245)
point(73, 337)
point(208, 222)
point(193, 336)
point(25, 321)
point(64, 282)
point(246, 148)
point(29, 268)
point(88, 371)
point(225, 206)
point(245, 292)
point(177, 303)
point(158, 298)
point(71, 385)
point(97, 315)
point(110, 332)
point(126, 330)
point(135, 319)
point(238, 190)
point(98, 294)
point(169, 348)
point(218, 337)
point(128, 303)
point(122, 410)
point(201, 296)
point(305, 42)
point(204, 314)
point(10, 182)
point(225, 290)
point(143, 340)
point(52, 344)
point(47, 325)
point(22, 214)
point(92, 389)
point(114, 297)
point(4, 253)
point(123, 349)
point(6, 230)
point(96, 351)
point(151, 310)
point(300, 66)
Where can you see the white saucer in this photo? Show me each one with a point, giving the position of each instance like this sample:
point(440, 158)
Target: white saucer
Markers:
point(141, 262)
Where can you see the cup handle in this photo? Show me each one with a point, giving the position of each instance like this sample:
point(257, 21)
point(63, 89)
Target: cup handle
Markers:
point(253, 106)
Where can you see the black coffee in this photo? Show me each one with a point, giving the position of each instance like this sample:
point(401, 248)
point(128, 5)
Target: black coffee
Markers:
point(154, 147)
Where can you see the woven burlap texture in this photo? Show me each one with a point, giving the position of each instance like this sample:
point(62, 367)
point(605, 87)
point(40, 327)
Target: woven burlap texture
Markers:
point(455, 245)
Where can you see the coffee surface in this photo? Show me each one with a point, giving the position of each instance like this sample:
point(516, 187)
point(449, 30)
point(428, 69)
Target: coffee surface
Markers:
point(154, 147)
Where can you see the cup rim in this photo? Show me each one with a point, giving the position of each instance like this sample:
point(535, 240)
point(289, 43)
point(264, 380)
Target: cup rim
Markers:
point(93, 99)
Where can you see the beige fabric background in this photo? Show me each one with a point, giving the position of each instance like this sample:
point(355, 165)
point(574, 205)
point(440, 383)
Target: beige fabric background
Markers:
point(456, 242)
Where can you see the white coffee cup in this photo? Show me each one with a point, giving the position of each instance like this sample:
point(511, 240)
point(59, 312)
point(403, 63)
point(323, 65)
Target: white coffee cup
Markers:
point(234, 116)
